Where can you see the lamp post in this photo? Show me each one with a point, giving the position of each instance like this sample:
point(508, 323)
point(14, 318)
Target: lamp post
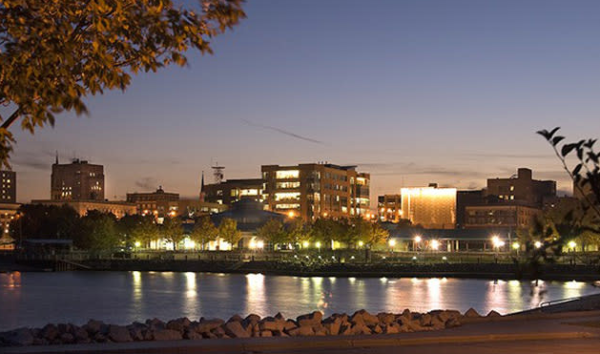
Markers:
point(392, 243)
point(416, 242)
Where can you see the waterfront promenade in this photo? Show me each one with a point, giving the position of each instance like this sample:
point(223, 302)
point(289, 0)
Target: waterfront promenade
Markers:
point(582, 266)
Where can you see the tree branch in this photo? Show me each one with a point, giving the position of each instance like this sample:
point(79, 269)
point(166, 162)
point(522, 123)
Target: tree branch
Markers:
point(16, 114)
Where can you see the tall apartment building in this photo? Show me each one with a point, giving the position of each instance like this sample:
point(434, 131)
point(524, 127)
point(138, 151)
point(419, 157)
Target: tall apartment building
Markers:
point(158, 203)
point(232, 190)
point(78, 180)
point(8, 188)
point(431, 207)
point(316, 190)
point(520, 189)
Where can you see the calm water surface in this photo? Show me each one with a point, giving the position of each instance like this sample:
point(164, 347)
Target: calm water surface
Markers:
point(34, 299)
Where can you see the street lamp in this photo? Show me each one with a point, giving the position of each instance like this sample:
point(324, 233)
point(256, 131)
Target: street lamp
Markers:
point(572, 245)
point(392, 243)
point(360, 243)
point(416, 242)
point(537, 244)
point(435, 244)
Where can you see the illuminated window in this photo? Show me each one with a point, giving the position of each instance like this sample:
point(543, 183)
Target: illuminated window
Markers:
point(287, 174)
point(287, 196)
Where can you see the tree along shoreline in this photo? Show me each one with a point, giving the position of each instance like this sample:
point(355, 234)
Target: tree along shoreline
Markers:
point(562, 272)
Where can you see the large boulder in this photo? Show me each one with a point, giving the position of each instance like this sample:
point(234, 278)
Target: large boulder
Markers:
point(94, 326)
point(272, 324)
point(234, 329)
point(18, 337)
point(155, 324)
point(333, 325)
point(205, 326)
point(180, 324)
point(119, 334)
point(362, 316)
point(166, 334)
point(310, 320)
point(471, 313)
point(386, 318)
point(301, 331)
point(49, 332)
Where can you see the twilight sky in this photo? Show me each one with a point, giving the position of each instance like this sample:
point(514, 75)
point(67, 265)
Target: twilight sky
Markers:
point(411, 91)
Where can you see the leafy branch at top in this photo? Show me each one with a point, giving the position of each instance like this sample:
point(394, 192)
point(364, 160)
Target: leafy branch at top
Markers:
point(55, 53)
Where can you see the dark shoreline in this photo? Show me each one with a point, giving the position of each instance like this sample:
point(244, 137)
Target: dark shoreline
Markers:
point(505, 271)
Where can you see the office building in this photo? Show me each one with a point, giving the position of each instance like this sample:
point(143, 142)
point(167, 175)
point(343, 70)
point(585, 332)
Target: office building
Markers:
point(78, 180)
point(511, 217)
point(389, 208)
point(520, 189)
point(8, 188)
point(430, 207)
point(233, 190)
point(316, 190)
point(158, 203)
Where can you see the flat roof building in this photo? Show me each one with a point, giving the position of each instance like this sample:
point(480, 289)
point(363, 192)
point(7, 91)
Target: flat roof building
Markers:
point(78, 180)
point(8, 187)
point(520, 188)
point(233, 190)
point(158, 203)
point(431, 207)
point(316, 190)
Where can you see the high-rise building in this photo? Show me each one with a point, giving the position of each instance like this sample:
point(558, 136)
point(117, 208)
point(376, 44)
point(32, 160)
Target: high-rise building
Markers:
point(78, 180)
point(520, 189)
point(316, 190)
point(8, 188)
point(431, 207)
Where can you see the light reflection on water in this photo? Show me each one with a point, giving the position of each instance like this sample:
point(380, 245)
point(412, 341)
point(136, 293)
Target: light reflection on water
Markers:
point(34, 299)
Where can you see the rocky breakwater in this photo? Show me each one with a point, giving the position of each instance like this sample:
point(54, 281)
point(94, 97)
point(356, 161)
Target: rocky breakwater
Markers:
point(359, 323)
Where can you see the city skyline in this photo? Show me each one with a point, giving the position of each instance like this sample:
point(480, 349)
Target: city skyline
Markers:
point(410, 93)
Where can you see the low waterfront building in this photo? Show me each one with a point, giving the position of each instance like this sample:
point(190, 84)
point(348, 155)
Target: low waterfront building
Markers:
point(117, 208)
point(8, 212)
point(250, 216)
point(452, 240)
point(192, 208)
point(511, 217)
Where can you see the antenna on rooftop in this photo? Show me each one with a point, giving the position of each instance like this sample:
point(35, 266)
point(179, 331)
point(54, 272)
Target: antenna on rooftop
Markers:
point(218, 173)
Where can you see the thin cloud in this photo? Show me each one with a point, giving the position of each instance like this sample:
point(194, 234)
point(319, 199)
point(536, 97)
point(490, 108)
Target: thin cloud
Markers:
point(146, 183)
point(281, 131)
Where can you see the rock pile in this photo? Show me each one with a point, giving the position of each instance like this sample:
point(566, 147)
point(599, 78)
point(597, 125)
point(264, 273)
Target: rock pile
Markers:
point(361, 322)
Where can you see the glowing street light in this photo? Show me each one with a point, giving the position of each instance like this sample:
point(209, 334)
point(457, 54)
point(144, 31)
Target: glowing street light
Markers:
point(318, 244)
point(435, 244)
point(260, 244)
point(305, 244)
point(537, 244)
point(392, 243)
point(516, 246)
point(572, 245)
point(360, 243)
point(416, 241)
point(291, 214)
point(137, 244)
